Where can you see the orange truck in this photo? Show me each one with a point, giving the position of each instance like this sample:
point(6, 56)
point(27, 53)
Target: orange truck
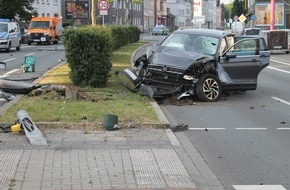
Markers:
point(44, 30)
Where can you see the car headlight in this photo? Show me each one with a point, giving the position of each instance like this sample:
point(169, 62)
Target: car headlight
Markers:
point(188, 77)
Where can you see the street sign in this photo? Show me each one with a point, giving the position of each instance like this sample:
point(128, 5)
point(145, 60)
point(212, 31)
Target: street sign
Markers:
point(103, 12)
point(242, 18)
point(103, 5)
point(253, 17)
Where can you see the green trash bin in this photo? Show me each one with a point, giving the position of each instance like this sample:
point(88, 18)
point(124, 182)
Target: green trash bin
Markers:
point(110, 121)
point(29, 63)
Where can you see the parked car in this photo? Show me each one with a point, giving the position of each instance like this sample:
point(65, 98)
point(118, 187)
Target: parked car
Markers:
point(197, 62)
point(160, 30)
point(24, 36)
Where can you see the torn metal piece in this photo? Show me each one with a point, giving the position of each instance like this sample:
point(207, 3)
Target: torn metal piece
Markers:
point(32, 132)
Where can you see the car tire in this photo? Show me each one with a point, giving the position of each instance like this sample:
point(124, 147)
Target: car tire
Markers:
point(28, 43)
point(18, 47)
point(8, 48)
point(208, 88)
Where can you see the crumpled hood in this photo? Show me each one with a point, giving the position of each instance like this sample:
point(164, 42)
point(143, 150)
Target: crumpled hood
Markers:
point(176, 58)
point(3, 34)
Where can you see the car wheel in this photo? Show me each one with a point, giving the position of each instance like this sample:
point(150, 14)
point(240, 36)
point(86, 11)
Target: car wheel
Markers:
point(29, 43)
point(208, 88)
point(18, 47)
point(8, 48)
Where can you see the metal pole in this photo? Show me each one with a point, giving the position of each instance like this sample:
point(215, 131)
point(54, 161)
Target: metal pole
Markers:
point(272, 24)
point(93, 13)
point(103, 18)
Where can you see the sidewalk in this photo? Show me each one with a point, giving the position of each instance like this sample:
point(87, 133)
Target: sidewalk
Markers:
point(140, 158)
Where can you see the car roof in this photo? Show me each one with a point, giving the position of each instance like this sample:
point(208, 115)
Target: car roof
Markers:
point(208, 32)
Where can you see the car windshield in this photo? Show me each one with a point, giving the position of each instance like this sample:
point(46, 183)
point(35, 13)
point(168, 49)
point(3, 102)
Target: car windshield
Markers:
point(39, 24)
point(197, 43)
point(3, 27)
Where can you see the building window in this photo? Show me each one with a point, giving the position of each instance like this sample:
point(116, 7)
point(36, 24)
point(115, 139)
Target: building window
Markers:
point(48, 15)
point(161, 6)
point(47, 2)
point(43, 14)
point(55, 2)
point(43, 1)
point(37, 1)
point(55, 14)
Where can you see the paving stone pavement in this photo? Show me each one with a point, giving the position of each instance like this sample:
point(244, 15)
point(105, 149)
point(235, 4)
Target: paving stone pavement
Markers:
point(139, 158)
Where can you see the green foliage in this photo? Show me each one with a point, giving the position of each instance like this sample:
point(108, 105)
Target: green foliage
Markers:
point(22, 8)
point(88, 51)
point(237, 8)
point(124, 35)
point(120, 36)
point(134, 33)
point(228, 10)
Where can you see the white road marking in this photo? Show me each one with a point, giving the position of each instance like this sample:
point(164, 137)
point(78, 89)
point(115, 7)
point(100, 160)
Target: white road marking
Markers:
point(281, 62)
point(29, 54)
point(9, 60)
point(283, 128)
point(206, 129)
point(259, 187)
point(282, 101)
point(251, 128)
point(9, 72)
point(281, 70)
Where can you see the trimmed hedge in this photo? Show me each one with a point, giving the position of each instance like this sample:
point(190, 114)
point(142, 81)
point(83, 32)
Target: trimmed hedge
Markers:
point(88, 50)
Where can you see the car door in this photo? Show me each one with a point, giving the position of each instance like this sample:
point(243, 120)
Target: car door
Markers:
point(243, 62)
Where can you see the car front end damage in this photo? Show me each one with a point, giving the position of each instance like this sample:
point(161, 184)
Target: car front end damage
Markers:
point(165, 80)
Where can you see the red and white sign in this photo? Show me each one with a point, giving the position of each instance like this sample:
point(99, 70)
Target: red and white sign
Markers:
point(103, 5)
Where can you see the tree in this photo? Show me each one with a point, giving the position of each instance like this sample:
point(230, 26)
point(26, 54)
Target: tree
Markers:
point(21, 10)
point(237, 8)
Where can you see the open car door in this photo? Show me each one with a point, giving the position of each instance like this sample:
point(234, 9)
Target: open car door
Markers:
point(243, 62)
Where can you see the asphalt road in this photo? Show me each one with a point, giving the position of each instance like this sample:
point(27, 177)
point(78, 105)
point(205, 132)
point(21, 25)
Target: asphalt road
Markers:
point(47, 56)
point(244, 138)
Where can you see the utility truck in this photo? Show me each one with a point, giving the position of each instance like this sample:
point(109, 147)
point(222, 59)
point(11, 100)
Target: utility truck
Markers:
point(45, 30)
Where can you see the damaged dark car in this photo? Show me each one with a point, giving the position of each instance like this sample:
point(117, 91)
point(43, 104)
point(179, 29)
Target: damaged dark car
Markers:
point(200, 63)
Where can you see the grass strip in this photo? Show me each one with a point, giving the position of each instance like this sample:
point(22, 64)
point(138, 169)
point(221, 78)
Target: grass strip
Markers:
point(114, 99)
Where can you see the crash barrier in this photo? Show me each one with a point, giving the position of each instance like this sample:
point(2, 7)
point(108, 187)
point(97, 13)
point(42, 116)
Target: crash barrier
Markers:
point(276, 40)
point(29, 64)
point(110, 122)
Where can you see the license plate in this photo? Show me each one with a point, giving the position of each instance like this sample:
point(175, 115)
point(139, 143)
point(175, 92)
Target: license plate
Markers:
point(37, 40)
point(43, 39)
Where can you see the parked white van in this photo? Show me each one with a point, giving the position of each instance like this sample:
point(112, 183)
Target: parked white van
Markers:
point(10, 35)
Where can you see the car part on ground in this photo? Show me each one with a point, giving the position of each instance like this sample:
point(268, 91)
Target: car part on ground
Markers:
point(197, 62)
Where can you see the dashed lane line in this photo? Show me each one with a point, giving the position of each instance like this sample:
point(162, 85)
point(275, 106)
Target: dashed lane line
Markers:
point(251, 128)
point(282, 101)
point(240, 129)
point(281, 70)
point(259, 187)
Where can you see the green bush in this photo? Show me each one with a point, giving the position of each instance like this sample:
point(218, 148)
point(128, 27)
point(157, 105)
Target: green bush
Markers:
point(134, 34)
point(88, 51)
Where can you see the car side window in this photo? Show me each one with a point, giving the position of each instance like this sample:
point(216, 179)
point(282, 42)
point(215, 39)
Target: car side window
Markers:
point(246, 47)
